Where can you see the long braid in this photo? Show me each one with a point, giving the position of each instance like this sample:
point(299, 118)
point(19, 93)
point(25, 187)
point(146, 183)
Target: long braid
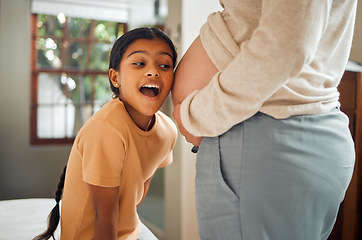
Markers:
point(54, 216)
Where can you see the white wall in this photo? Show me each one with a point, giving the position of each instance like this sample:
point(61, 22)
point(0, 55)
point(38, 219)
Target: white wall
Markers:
point(194, 15)
point(25, 171)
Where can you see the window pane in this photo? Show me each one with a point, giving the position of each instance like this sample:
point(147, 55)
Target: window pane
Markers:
point(86, 112)
point(50, 25)
point(82, 114)
point(79, 88)
point(55, 121)
point(48, 53)
point(78, 27)
point(87, 89)
point(44, 122)
point(71, 85)
point(55, 108)
point(68, 56)
point(121, 30)
point(102, 92)
point(75, 56)
point(100, 56)
point(50, 89)
point(105, 31)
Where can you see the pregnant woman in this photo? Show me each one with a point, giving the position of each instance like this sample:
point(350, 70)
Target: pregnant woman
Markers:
point(257, 91)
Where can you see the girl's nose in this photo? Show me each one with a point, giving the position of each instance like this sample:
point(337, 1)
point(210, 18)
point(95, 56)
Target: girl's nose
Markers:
point(152, 72)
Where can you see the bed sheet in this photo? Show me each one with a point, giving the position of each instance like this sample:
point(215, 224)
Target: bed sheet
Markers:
point(23, 219)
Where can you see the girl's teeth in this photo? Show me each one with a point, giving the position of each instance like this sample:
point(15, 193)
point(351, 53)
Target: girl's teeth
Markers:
point(151, 86)
point(150, 90)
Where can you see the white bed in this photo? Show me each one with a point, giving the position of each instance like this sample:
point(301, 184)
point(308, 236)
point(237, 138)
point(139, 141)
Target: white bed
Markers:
point(23, 219)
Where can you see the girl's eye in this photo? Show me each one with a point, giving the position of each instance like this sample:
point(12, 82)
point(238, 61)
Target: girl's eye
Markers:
point(139, 64)
point(165, 66)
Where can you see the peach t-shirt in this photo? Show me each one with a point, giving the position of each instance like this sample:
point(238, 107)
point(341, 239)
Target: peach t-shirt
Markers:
point(110, 151)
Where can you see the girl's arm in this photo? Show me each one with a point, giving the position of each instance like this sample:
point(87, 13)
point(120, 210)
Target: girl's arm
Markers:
point(106, 204)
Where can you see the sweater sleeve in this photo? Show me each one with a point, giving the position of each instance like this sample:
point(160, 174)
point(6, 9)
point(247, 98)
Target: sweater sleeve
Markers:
point(285, 40)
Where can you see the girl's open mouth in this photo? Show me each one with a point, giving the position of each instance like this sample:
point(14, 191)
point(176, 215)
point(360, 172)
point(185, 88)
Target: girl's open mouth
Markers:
point(150, 90)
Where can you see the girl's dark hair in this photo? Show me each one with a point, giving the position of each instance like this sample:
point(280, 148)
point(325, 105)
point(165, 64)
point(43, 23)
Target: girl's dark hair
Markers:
point(122, 43)
point(54, 216)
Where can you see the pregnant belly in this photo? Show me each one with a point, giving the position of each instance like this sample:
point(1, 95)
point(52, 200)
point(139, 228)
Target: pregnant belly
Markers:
point(194, 72)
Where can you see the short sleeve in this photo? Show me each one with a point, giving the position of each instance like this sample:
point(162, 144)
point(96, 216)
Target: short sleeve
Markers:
point(102, 149)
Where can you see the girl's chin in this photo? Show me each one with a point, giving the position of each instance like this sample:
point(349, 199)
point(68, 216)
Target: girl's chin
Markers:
point(150, 111)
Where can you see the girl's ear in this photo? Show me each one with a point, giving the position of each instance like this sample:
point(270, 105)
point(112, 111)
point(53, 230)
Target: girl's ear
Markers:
point(114, 77)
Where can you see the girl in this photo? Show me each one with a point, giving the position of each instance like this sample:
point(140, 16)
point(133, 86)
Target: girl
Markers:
point(118, 150)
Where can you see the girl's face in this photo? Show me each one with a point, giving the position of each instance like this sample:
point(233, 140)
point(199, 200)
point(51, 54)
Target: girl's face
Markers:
point(145, 77)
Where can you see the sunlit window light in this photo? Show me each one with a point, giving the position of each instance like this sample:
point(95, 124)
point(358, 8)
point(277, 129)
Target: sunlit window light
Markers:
point(61, 18)
point(50, 44)
point(49, 54)
point(71, 84)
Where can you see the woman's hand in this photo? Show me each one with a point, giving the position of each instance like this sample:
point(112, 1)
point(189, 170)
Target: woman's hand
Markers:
point(189, 137)
point(106, 205)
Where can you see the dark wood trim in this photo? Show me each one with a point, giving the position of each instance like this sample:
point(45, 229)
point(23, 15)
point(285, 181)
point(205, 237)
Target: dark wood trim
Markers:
point(34, 81)
point(53, 141)
point(358, 167)
point(71, 71)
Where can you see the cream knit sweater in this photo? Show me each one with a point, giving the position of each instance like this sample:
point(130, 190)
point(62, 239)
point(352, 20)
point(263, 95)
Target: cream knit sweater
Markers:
point(279, 57)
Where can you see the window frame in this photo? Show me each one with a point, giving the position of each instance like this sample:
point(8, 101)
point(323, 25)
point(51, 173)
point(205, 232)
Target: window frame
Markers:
point(35, 72)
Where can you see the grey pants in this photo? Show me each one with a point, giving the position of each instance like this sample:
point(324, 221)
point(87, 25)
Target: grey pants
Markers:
point(274, 179)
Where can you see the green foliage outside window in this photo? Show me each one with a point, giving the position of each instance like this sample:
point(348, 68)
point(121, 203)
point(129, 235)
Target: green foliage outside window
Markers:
point(74, 54)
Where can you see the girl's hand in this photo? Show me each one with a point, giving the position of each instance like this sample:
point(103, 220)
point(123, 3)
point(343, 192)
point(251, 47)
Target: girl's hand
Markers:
point(106, 205)
point(189, 137)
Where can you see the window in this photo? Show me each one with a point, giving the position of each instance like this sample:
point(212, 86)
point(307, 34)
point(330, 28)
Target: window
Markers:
point(69, 74)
